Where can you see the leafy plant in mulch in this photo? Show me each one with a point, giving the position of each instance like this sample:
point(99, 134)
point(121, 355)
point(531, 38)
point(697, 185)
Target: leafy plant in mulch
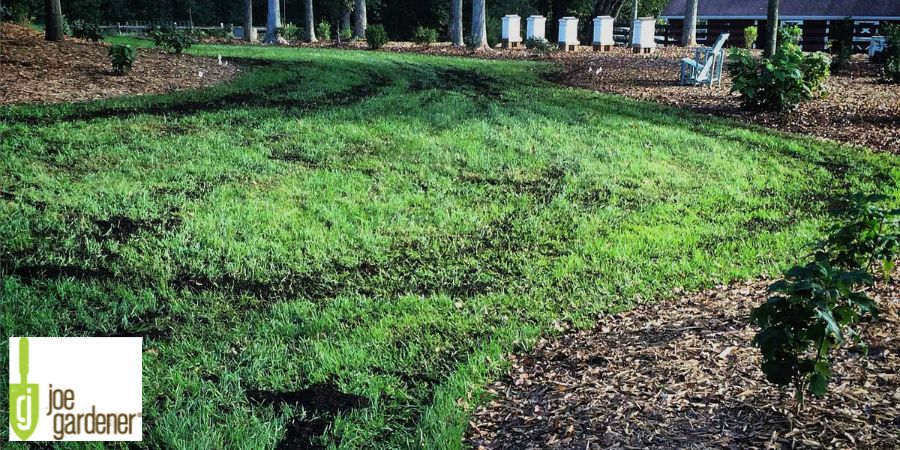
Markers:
point(783, 81)
point(538, 45)
point(751, 33)
point(425, 36)
point(376, 36)
point(323, 30)
point(815, 308)
point(122, 58)
point(174, 40)
point(892, 53)
point(291, 32)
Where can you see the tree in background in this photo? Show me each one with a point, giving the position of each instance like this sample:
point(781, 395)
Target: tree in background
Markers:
point(54, 29)
point(249, 31)
point(456, 23)
point(274, 22)
point(309, 21)
point(772, 28)
point(689, 32)
point(479, 26)
point(360, 21)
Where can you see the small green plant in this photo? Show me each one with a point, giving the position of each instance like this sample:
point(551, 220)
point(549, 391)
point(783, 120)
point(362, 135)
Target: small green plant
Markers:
point(425, 36)
point(892, 53)
point(122, 58)
point(87, 31)
point(174, 40)
point(323, 30)
point(376, 36)
point(751, 33)
point(841, 44)
point(813, 310)
point(346, 34)
point(538, 45)
point(782, 81)
point(790, 35)
point(291, 32)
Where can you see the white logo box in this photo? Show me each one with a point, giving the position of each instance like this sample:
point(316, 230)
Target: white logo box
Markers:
point(94, 376)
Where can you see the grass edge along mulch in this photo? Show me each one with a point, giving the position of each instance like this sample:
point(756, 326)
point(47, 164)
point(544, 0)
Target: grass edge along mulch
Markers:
point(682, 374)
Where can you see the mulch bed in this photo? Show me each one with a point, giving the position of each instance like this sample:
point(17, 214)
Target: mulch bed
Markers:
point(860, 109)
point(682, 374)
point(33, 70)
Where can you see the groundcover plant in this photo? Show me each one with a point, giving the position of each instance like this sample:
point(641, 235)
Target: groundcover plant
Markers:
point(339, 248)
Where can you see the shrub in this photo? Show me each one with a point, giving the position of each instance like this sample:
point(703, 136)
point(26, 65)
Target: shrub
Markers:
point(425, 36)
point(841, 43)
point(751, 33)
point(86, 31)
point(814, 308)
point(323, 30)
point(173, 40)
point(5, 13)
point(376, 36)
point(346, 33)
point(291, 32)
point(782, 81)
point(892, 53)
point(538, 45)
point(790, 35)
point(122, 58)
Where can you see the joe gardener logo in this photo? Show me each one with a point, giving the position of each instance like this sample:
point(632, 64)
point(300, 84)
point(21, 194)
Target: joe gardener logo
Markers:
point(75, 389)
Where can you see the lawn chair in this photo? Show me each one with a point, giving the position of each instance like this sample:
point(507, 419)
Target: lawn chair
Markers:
point(706, 67)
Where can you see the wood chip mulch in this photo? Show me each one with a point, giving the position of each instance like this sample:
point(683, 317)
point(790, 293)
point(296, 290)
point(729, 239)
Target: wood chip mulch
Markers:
point(859, 110)
point(682, 374)
point(33, 70)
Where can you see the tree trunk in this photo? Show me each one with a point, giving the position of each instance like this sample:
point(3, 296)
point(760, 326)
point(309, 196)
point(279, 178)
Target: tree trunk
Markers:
point(310, 22)
point(456, 23)
point(274, 21)
point(360, 22)
point(772, 28)
point(249, 31)
point(53, 22)
point(689, 31)
point(479, 26)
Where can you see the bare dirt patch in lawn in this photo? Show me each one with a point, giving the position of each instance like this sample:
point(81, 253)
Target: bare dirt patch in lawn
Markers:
point(33, 70)
point(682, 374)
point(859, 110)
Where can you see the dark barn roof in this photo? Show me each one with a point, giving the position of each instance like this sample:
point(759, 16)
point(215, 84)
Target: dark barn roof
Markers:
point(789, 8)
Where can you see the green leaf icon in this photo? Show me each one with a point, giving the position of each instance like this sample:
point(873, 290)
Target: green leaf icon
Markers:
point(23, 398)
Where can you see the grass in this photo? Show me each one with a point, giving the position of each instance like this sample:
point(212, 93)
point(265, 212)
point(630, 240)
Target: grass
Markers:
point(385, 226)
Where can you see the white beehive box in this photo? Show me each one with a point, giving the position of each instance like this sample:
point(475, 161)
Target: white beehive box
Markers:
point(568, 33)
point(603, 33)
point(536, 28)
point(643, 38)
point(511, 33)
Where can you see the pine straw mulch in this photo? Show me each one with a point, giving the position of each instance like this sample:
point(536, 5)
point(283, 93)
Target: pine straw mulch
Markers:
point(860, 109)
point(682, 374)
point(33, 70)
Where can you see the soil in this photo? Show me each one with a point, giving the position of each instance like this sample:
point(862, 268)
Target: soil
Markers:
point(682, 374)
point(33, 70)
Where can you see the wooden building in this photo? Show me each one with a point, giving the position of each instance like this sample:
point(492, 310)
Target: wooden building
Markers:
point(820, 20)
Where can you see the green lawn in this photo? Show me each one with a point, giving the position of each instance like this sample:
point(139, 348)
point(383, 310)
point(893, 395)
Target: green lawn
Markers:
point(382, 225)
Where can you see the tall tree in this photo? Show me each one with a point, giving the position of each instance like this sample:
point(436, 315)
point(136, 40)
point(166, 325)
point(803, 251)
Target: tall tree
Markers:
point(479, 26)
point(274, 22)
point(53, 28)
point(689, 30)
point(456, 23)
point(310, 22)
point(360, 21)
point(608, 7)
point(772, 28)
point(249, 31)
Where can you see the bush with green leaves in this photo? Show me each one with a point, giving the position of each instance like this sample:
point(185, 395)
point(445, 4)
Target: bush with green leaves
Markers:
point(814, 309)
point(751, 33)
point(538, 45)
point(376, 36)
point(323, 30)
point(790, 35)
point(87, 31)
point(291, 32)
point(122, 58)
point(346, 34)
point(174, 40)
point(781, 82)
point(425, 36)
point(892, 53)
